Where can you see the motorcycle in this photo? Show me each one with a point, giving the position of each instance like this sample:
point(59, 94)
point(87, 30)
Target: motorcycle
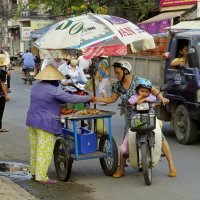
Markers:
point(16, 60)
point(79, 89)
point(144, 139)
point(29, 76)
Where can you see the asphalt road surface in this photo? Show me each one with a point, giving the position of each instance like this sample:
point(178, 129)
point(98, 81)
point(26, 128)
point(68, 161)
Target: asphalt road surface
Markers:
point(87, 179)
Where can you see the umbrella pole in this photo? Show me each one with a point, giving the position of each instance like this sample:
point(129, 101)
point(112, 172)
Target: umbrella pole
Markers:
point(94, 89)
point(93, 74)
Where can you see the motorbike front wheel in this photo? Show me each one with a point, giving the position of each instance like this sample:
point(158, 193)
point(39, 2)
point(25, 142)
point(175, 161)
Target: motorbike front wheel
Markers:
point(62, 160)
point(146, 163)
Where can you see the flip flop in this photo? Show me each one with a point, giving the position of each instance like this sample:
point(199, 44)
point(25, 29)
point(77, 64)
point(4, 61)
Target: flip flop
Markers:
point(48, 182)
point(4, 130)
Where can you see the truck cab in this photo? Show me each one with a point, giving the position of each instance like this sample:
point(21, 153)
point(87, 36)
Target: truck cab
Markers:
point(182, 87)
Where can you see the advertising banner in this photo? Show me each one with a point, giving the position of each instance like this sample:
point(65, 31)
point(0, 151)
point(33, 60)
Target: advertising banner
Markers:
point(26, 33)
point(156, 27)
point(167, 3)
point(37, 24)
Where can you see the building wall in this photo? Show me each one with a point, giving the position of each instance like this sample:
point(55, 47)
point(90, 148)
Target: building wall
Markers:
point(15, 34)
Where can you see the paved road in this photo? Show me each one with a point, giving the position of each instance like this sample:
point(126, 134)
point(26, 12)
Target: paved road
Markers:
point(87, 176)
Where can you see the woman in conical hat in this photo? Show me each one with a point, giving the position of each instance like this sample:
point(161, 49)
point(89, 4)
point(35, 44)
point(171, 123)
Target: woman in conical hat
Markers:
point(3, 91)
point(43, 120)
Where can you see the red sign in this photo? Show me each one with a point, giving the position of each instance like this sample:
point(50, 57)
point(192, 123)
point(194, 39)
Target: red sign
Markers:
point(166, 3)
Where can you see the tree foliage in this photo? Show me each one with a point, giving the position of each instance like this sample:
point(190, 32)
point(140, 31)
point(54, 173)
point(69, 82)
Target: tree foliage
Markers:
point(141, 8)
point(63, 7)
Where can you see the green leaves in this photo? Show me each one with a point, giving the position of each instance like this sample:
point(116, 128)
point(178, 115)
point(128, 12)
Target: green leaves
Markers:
point(69, 8)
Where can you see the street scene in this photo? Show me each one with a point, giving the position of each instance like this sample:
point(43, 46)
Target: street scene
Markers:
point(87, 179)
point(99, 99)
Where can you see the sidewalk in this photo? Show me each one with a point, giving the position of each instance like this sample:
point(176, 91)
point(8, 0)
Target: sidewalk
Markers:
point(11, 191)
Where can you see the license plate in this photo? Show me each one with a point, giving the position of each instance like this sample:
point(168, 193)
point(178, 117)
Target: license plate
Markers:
point(32, 73)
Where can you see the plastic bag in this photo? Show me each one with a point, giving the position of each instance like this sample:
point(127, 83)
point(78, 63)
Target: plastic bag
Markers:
point(100, 127)
point(89, 85)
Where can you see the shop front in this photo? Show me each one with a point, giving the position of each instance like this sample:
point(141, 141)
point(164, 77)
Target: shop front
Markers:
point(170, 12)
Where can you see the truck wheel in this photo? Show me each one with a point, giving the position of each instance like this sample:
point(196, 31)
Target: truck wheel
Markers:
point(108, 164)
point(62, 160)
point(185, 127)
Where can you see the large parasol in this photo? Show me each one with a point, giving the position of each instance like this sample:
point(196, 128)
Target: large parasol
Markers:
point(94, 35)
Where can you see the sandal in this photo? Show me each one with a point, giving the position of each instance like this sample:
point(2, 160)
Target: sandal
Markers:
point(4, 130)
point(172, 173)
point(48, 182)
point(118, 174)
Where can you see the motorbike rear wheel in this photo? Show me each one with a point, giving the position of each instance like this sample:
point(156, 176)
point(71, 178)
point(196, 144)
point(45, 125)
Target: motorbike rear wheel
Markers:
point(146, 163)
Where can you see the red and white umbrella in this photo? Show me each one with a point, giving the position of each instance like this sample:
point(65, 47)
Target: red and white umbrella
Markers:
point(95, 35)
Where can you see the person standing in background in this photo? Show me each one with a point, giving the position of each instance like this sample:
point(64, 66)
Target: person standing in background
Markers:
point(7, 69)
point(3, 92)
point(103, 74)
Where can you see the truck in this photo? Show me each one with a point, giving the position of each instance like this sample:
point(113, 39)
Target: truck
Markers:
point(181, 85)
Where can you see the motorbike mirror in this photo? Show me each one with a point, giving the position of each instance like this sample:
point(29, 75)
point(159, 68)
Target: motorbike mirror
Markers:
point(193, 59)
point(67, 76)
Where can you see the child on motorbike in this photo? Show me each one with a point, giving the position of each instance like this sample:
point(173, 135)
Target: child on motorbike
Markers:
point(143, 94)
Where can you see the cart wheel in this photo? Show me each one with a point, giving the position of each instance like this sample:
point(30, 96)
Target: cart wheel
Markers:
point(62, 160)
point(109, 164)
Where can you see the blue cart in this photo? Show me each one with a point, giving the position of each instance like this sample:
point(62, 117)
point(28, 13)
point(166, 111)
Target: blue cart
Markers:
point(80, 143)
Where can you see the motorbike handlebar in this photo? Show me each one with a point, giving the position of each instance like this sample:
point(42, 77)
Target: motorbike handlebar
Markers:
point(157, 103)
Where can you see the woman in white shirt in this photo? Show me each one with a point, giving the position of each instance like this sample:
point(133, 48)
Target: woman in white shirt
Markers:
point(76, 73)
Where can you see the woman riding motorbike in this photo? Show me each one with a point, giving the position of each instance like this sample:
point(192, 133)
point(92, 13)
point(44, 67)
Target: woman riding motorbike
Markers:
point(125, 88)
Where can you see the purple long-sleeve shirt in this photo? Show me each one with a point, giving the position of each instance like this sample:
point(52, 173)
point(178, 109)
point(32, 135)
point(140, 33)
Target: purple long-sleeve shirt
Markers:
point(132, 100)
point(44, 110)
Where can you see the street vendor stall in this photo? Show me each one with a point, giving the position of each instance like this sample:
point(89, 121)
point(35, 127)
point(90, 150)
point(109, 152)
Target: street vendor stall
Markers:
point(79, 143)
point(92, 35)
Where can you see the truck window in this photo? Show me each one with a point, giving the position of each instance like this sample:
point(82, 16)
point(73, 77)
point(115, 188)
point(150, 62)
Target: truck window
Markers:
point(180, 55)
point(197, 46)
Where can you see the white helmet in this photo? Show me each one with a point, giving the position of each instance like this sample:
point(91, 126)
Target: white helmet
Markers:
point(123, 64)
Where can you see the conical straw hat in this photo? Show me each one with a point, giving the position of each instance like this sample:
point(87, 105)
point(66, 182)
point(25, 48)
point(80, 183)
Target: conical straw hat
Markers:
point(4, 60)
point(50, 73)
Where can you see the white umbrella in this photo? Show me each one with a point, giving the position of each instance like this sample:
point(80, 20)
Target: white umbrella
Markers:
point(95, 35)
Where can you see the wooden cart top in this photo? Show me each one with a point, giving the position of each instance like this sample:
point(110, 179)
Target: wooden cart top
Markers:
point(77, 116)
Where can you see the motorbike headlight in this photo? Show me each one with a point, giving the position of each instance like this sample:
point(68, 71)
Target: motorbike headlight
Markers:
point(143, 106)
point(198, 96)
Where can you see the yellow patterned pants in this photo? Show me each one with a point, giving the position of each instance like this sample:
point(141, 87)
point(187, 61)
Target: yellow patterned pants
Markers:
point(41, 152)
